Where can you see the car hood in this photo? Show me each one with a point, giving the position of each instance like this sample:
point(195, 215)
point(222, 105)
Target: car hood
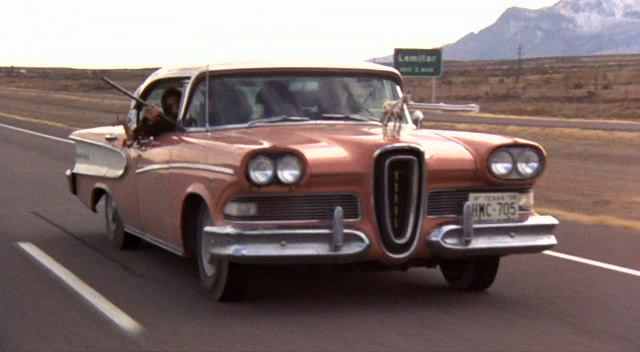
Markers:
point(350, 147)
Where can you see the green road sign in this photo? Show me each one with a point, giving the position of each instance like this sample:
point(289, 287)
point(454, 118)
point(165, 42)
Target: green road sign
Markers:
point(418, 62)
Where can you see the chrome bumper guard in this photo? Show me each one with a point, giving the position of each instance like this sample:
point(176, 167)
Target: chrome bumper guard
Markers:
point(288, 246)
point(71, 180)
point(532, 236)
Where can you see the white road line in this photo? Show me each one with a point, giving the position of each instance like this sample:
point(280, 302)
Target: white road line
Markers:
point(36, 133)
point(92, 296)
point(594, 263)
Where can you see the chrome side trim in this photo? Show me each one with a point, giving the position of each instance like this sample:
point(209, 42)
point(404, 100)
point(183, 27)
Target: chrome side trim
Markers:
point(154, 240)
point(531, 236)
point(89, 141)
point(285, 246)
point(192, 166)
point(98, 159)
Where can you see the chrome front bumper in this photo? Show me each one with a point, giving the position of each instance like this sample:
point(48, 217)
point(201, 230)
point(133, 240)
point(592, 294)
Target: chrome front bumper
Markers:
point(532, 236)
point(294, 246)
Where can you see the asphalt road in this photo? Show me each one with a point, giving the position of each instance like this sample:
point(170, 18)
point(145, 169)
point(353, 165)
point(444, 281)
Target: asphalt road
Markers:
point(539, 302)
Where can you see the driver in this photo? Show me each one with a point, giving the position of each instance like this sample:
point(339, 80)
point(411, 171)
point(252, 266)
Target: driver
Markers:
point(154, 123)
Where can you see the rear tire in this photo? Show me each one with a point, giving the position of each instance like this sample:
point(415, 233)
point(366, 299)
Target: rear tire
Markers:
point(117, 236)
point(471, 274)
point(221, 280)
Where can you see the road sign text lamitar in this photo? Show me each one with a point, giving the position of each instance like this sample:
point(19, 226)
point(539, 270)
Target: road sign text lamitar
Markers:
point(418, 62)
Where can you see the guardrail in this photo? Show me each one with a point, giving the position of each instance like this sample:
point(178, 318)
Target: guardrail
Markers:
point(447, 107)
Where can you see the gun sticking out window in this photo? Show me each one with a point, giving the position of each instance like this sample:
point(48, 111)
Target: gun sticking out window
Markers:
point(130, 95)
point(124, 91)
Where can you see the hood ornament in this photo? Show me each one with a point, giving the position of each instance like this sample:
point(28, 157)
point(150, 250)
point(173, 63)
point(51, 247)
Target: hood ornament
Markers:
point(393, 116)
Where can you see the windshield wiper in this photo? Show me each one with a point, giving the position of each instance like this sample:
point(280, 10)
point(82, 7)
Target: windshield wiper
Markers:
point(277, 119)
point(349, 117)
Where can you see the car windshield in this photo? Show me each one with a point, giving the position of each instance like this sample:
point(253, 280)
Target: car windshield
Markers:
point(254, 99)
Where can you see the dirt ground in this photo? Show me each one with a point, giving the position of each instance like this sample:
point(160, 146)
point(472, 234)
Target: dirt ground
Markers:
point(588, 172)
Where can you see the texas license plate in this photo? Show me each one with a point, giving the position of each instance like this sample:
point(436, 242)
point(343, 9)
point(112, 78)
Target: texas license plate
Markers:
point(494, 207)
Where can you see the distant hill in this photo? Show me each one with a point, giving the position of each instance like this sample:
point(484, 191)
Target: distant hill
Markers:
point(568, 28)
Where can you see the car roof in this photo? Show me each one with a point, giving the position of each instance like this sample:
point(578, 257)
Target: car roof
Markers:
point(191, 71)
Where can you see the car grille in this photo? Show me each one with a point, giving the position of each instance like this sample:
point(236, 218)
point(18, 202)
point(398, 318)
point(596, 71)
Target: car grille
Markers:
point(450, 202)
point(298, 207)
point(399, 182)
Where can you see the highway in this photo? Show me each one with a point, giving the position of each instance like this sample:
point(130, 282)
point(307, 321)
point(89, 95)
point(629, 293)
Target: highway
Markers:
point(153, 300)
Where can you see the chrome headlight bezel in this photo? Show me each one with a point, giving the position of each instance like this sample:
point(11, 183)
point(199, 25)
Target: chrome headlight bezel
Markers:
point(501, 163)
point(261, 170)
point(527, 162)
point(289, 169)
point(283, 168)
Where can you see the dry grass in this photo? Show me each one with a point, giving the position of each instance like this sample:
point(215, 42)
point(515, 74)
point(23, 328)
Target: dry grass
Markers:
point(603, 87)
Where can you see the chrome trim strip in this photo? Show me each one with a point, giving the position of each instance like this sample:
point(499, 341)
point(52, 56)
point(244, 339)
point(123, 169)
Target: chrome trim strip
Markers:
point(284, 123)
point(412, 201)
point(192, 166)
point(108, 146)
point(154, 240)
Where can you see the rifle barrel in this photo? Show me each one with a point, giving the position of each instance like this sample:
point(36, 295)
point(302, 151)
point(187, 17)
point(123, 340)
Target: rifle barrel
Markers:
point(124, 91)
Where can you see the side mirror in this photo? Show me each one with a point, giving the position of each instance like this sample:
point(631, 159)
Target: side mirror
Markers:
point(417, 117)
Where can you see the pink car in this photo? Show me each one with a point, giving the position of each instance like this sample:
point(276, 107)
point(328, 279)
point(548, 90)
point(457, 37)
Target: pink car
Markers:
point(291, 164)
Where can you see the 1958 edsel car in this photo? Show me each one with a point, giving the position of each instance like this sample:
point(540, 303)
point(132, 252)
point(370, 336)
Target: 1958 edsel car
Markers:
point(292, 164)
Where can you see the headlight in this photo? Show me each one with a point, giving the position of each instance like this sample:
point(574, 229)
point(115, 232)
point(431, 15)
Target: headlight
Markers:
point(289, 169)
point(528, 163)
point(516, 163)
point(501, 163)
point(261, 170)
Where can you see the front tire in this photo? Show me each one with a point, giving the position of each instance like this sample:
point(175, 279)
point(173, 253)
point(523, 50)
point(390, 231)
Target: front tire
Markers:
point(471, 274)
point(221, 280)
point(117, 236)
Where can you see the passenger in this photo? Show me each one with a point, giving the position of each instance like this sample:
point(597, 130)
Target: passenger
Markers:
point(154, 123)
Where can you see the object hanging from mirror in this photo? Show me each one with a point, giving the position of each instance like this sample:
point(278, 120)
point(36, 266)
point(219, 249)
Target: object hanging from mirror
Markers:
point(393, 116)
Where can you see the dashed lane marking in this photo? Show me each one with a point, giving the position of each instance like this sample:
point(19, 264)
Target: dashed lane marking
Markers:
point(602, 265)
point(38, 121)
point(93, 297)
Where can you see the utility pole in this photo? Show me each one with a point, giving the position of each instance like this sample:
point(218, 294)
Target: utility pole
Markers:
point(519, 70)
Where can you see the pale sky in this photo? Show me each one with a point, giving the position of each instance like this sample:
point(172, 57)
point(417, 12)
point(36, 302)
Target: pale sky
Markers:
point(120, 33)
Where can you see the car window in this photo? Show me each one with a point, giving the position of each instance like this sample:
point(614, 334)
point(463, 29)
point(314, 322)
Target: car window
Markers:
point(240, 99)
point(153, 95)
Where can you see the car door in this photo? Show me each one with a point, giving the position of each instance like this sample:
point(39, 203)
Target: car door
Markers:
point(152, 161)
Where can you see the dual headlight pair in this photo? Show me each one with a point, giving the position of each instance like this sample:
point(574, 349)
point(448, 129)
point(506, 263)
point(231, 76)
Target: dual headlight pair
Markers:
point(515, 163)
point(263, 169)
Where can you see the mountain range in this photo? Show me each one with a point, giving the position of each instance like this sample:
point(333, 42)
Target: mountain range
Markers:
point(568, 28)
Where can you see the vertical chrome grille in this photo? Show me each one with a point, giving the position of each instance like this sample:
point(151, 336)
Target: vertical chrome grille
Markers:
point(399, 182)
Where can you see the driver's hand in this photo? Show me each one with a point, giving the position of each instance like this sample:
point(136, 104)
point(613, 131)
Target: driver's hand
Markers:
point(153, 112)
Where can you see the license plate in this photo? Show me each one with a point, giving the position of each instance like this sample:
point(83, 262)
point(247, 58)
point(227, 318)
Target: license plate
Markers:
point(494, 207)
